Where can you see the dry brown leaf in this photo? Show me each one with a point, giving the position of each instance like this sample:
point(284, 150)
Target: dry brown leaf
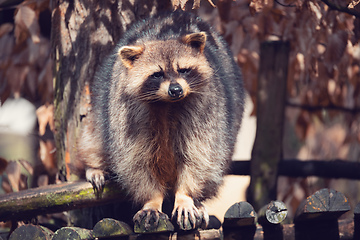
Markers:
point(303, 124)
point(45, 84)
point(315, 10)
point(5, 91)
point(6, 28)
point(30, 85)
point(260, 5)
point(3, 164)
point(335, 48)
point(196, 4)
point(27, 166)
point(6, 48)
point(14, 175)
point(357, 27)
point(255, 6)
point(23, 182)
point(16, 76)
point(47, 155)
point(45, 115)
point(43, 180)
point(6, 185)
point(176, 4)
point(26, 24)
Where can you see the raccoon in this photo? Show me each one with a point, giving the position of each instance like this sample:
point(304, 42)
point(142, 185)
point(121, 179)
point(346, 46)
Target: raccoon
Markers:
point(167, 105)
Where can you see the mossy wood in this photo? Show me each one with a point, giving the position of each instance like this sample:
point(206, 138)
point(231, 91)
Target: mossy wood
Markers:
point(271, 96)
point(108, 227)
point(30, 231)
point(357, 222)
point(55, 198)
point(73, 233)
point(164, 225)
point(345, 229)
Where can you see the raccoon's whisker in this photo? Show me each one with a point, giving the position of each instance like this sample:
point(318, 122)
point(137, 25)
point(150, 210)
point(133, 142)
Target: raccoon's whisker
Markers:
point(149, 97)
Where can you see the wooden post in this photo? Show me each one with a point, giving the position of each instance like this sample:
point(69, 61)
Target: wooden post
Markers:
point(30, 231)
point(357, 222)
point(271, 96)
point(239, 222)
point(317, 216)
point(109, 227)
point(270, 217)
point(73, 233)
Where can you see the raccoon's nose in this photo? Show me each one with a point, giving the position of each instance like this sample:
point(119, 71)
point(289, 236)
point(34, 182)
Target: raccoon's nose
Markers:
point(175, 90)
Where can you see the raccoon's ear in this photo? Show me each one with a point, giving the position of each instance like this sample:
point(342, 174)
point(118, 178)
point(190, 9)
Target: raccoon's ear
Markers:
point(129, 54)
point(195, 40)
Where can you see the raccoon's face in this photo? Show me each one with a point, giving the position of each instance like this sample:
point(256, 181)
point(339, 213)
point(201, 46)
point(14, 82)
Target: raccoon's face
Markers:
point(166, 70)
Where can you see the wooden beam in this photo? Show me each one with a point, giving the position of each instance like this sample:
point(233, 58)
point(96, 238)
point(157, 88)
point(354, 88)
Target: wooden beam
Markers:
point(305, 168)
point(55, 198)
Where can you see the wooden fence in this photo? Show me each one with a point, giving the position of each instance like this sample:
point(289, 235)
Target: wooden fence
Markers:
point(316, 218)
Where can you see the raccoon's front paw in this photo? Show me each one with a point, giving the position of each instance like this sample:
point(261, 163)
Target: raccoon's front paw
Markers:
point(96, 178)
point(188, 216)
point(149, 219)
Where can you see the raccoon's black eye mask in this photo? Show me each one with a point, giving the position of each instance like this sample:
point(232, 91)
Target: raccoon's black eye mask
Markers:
point(157, 75)
point(184, 70)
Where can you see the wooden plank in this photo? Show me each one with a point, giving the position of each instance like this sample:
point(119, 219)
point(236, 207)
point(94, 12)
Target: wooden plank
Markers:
point(335, 168)
point(55, 198)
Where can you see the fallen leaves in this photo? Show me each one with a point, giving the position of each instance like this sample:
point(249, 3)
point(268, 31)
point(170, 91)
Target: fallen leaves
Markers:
point(25, 63)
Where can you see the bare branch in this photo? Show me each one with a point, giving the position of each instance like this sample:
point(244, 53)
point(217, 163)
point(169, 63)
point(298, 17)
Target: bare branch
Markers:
point(339, 8)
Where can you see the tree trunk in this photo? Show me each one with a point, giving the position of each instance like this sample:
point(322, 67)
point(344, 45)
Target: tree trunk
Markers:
point(267, 149)
point(83, 33)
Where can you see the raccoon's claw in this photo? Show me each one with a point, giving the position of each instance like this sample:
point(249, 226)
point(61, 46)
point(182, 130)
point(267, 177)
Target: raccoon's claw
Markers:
point(188, 217)
point(149, 218)
point(204, 216)
point(96, 178)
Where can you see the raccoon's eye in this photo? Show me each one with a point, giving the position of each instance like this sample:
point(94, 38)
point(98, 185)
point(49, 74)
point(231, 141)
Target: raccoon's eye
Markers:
point(158, 75)
point(184, 70)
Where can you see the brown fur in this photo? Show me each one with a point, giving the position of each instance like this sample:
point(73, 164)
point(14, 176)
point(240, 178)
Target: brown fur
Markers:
point(164, 120)
point(163, 162)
